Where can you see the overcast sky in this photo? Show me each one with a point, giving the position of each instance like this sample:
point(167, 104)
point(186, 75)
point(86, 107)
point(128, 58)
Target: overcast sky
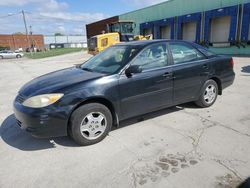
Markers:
point(64, 16)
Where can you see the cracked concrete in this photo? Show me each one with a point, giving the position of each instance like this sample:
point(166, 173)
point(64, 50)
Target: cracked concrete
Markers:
point(183, 146)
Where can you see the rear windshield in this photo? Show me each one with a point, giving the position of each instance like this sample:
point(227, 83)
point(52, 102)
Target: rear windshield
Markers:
point(205, 51)
point(110, 60)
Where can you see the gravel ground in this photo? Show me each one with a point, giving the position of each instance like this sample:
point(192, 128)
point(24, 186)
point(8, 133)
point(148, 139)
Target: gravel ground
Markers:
point(182, 146)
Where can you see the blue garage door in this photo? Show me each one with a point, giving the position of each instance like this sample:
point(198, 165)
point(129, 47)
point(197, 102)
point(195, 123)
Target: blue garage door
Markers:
point(164, 29)
point(225, 12)
point(245, 26)
point(189, 27)
point(147, 28)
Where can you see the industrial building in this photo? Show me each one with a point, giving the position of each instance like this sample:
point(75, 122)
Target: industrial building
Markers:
point(21, 41)
point(65, 41)
point(221, 25)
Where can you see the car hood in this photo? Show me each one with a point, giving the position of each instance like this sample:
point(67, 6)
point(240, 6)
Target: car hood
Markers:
point(57, 80)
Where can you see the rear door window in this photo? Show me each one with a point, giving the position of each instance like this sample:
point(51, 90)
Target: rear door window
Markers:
point(183, 53)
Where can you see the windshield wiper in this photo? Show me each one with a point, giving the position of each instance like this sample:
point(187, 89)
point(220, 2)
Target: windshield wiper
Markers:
point(87, 69)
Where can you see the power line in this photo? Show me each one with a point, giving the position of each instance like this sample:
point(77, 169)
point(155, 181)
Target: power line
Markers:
point(26, 30)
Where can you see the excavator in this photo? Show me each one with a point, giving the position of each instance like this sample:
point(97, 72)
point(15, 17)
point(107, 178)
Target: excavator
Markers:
point(121, 31)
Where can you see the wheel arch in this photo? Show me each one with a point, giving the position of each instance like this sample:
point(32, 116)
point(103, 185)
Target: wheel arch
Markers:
point(100, 100)
point(218, 81)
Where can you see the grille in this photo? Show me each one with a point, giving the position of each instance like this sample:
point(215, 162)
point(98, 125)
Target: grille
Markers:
point(20, 98)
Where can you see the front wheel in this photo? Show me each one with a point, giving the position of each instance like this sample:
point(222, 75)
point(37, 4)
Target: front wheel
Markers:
point(1, 57)
point(90, 123)
point(208, 95)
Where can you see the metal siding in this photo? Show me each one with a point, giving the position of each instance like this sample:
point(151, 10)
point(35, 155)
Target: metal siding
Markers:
point(146, 28)
point(245, 27)
point(162, 23)
point(174, 8)
point(183, 20)
point(225, 11)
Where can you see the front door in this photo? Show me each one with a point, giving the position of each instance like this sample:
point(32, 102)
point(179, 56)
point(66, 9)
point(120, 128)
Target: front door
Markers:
point(152, 88)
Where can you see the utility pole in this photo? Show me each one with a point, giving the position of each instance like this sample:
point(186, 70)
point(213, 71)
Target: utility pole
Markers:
point(26, 30)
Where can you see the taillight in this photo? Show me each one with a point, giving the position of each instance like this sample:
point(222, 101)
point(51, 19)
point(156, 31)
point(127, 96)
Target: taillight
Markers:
point(232, 63)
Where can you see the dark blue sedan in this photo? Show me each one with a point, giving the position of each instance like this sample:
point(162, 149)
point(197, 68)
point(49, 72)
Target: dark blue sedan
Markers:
point(125, 80)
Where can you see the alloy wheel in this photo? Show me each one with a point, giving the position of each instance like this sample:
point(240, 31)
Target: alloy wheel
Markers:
point(210, 94)
point(93, 125)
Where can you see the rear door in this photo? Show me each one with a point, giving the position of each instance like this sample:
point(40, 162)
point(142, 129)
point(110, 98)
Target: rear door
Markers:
point(150, 89)
point(190, 70)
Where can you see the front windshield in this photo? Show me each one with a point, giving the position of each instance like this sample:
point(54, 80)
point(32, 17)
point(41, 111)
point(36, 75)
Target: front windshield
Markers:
point(110, 60)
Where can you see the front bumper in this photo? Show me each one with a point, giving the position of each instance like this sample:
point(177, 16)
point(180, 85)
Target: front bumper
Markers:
point(44, 122)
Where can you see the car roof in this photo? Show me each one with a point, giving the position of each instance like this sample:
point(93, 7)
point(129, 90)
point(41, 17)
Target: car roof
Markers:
point(143, 43)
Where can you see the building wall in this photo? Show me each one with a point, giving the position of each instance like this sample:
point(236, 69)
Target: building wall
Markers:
point(20, 41)
point(96, 28)
point(69, 41)
point(48, 39)
point(173, 8)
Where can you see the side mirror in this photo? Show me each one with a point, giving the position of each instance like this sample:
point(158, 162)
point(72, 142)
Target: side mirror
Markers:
point(132, 70)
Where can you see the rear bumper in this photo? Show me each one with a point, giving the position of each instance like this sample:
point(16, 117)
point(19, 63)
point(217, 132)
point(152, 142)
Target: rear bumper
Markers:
point(228, 80)
point(41, 123)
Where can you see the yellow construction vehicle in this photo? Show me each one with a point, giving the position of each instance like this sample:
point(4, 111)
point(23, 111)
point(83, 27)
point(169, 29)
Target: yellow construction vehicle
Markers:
point(121, 31)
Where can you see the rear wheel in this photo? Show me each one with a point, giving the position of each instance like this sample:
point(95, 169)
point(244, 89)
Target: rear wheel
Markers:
point(90, 123)
point(18, 56)
point(208, 95)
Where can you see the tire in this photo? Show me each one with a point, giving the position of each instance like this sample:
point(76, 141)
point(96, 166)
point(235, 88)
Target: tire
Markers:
point(18, 56)
point(208, 95)
point(90, 123)
point(1, 57)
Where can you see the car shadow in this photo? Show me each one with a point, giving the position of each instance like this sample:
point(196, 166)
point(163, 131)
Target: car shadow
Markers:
point(245, 69)
point(147, 116)
point(12, 135)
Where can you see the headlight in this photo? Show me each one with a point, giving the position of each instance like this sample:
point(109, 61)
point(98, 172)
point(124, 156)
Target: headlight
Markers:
point(40, 101)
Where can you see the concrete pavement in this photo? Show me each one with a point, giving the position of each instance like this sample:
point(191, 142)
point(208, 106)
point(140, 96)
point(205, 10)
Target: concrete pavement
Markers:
point(182, 146)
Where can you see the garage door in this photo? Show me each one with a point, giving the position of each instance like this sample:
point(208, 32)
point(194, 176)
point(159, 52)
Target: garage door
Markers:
point(148, 31)
point(220, 28)
point(189, 31)
point(165, 32)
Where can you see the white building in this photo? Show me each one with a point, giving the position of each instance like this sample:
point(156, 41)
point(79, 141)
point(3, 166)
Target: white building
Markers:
point(69, 41)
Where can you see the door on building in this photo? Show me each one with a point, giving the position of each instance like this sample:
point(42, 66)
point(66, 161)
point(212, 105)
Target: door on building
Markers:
point(147, 31)
point(189, 31)
point(165, 32)
point(220, 28)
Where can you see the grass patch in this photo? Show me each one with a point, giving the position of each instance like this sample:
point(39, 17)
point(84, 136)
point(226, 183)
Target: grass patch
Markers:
point(51, 53)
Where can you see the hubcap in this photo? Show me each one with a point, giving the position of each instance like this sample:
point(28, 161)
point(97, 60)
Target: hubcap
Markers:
point(210, 94)
point(93, 125)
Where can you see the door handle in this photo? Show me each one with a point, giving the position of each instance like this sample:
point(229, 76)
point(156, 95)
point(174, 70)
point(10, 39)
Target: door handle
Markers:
point(205, 66)
point(167, 74)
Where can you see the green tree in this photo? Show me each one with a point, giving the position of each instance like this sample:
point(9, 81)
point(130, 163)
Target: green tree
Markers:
point(58, 34)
